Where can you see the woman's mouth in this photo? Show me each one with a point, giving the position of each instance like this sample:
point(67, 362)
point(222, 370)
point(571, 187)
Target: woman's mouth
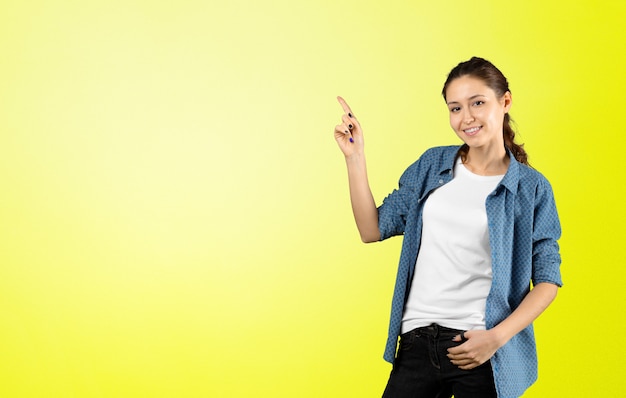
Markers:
point(472, 130)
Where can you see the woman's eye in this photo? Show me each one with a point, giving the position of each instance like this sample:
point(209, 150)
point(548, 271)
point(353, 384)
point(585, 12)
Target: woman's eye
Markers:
point(478, 103)
point(455, 109)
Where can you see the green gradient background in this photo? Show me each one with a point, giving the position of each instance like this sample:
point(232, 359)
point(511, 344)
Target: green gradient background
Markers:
point(174, 214)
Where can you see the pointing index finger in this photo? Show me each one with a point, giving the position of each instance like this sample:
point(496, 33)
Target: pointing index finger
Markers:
point(345, 106)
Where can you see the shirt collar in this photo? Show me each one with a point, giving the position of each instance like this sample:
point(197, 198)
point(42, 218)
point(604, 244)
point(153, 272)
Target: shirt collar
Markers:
point(509, 181)
point(511, 178)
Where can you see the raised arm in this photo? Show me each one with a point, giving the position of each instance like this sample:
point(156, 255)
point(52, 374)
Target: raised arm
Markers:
point(349, 137)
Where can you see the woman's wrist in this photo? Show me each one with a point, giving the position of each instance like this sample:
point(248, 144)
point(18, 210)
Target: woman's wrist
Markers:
point(500, 335)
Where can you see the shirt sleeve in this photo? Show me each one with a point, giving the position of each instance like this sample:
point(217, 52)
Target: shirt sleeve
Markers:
point(546, 232)
point(393, 212)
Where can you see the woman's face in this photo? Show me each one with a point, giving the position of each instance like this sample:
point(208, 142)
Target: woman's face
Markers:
point(476, 112)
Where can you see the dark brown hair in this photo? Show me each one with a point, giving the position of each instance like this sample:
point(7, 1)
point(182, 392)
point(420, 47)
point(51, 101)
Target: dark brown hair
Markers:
point(487, 72)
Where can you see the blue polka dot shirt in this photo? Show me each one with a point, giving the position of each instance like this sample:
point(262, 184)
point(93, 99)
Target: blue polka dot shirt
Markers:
point(523, 231)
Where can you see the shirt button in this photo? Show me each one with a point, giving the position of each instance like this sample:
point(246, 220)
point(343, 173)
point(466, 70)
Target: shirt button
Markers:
point(440, 182)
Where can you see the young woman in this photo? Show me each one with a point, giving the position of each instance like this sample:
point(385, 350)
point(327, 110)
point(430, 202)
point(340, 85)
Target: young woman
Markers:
point(480, 227)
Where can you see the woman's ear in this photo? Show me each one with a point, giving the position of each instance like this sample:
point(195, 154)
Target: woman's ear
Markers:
point(507, 101)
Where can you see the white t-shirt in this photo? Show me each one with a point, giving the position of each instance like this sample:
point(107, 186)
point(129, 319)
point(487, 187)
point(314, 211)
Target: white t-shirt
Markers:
point(453, 271)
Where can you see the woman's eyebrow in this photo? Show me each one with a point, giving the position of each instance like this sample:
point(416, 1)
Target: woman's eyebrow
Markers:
point(470, 98)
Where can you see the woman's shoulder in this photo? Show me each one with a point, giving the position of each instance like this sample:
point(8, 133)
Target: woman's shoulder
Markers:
point(439, 156)
point(533, 179)
point(527, 172)
point(432, 162)
point(442, 151)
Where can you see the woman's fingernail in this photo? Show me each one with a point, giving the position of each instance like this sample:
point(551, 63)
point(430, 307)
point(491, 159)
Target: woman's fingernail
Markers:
point(347, 132)
point(350, 126)
point(351, 140)
point(349, 114)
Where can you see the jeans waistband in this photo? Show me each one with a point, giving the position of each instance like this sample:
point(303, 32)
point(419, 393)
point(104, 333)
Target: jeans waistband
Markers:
point(433, 330)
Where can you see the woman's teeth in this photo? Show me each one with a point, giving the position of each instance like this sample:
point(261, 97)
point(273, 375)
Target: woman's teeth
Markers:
point(472, 131)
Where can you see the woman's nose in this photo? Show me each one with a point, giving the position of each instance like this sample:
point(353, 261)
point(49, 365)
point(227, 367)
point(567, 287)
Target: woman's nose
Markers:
point(468, 117)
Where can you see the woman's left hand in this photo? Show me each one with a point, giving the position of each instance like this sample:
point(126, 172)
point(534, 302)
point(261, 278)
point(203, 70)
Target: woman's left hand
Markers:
point(479, 347)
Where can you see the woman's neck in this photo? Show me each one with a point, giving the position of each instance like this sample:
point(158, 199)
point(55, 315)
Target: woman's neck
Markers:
point(487, 162)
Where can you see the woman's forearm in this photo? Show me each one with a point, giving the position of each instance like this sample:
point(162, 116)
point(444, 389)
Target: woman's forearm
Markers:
point(482, 344)
point(535, 302)
point(363, 204)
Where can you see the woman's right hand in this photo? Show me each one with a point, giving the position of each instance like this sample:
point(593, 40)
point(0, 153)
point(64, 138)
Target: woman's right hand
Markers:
point(348, 134)
point(349, 137)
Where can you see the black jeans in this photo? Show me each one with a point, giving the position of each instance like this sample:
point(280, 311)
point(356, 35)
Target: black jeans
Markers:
point(422, 369)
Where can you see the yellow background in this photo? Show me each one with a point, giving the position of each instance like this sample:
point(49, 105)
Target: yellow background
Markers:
point(174, 215)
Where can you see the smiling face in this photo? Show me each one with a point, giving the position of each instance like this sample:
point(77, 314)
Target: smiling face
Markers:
point(476, 112)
